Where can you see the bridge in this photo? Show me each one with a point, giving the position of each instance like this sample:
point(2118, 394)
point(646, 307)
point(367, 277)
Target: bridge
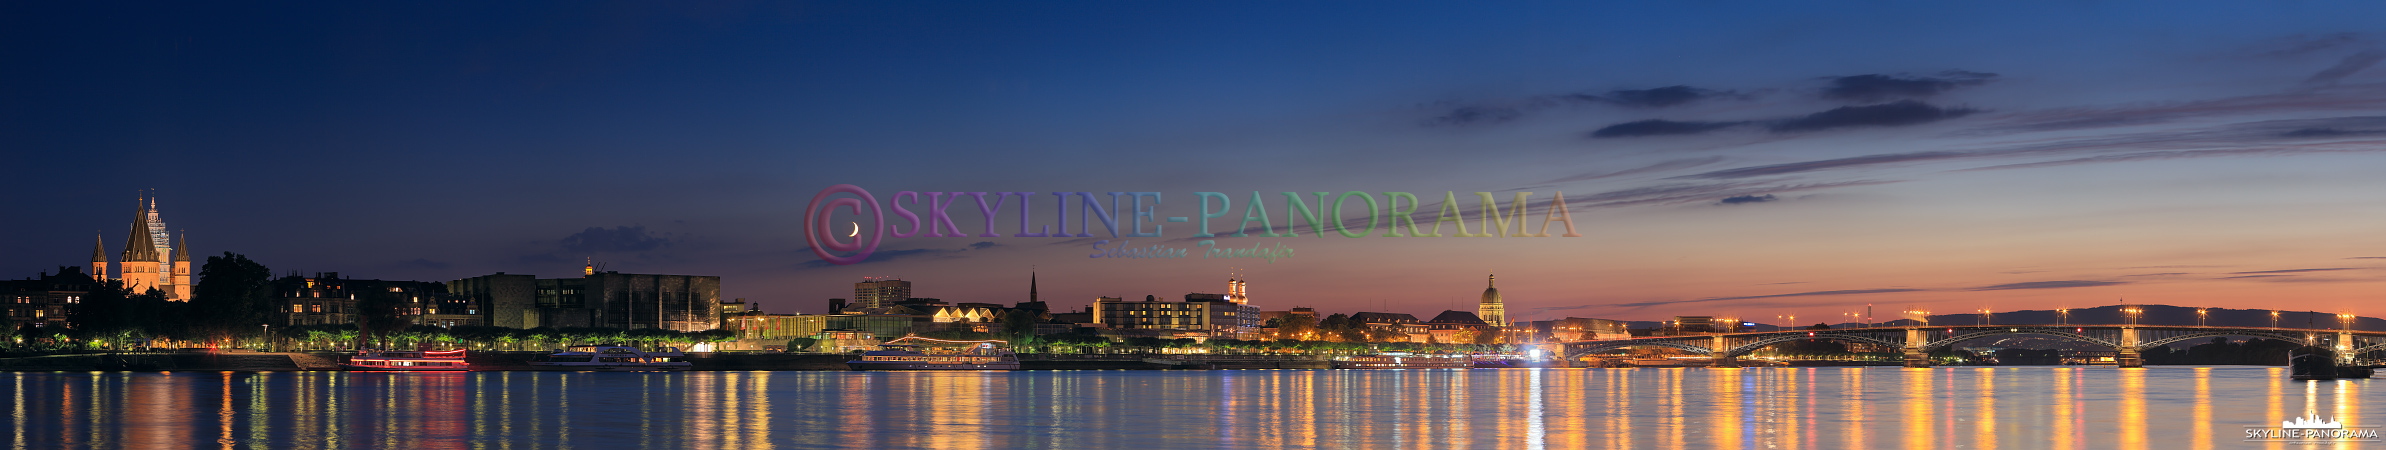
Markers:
point(1918, 341)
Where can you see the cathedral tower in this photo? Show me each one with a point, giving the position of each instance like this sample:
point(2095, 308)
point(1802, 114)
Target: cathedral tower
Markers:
point(99, 259)
point(1492, 311)
point(182, 270)
point(141, 261)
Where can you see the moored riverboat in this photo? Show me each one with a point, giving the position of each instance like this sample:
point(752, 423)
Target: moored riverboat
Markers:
point(1404, 361)
point(613, 358)
point(919, 353)
point(407, 361)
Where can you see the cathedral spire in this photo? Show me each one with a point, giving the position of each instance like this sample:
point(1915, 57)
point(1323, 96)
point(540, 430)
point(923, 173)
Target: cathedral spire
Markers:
point(182, 250)
point(137, 247)
point(1031, 285)
point(99, 249)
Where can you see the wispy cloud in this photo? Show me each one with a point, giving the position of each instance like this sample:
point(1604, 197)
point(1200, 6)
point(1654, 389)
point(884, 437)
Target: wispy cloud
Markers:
point(1659, 127)
point(1665, 166)
point(1902, 113)
point(1746, 199)
point(2048, 285)
point(2292, 271)
point(1723, 299)
point(1828, 164)
point(1877, 87)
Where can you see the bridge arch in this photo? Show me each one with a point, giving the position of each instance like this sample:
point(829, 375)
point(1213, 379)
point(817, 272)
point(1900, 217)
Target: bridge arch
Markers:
point(1577, 350)
point(2171, 339)
point(1759, 344)
point(1982, 333)
point(2371, 348)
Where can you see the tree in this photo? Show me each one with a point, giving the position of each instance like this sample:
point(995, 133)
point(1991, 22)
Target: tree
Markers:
point(233, 295)
point(1297, 326)
point(801, 344)
point(1020, 322)
point(381, 315)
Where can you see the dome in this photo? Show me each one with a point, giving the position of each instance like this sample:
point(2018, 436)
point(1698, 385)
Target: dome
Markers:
point(1491, 293)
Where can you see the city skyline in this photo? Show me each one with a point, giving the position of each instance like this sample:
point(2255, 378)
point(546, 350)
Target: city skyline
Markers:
point(1754, 162)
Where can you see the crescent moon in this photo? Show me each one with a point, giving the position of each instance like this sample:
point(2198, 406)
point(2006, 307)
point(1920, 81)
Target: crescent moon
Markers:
point(857, 229)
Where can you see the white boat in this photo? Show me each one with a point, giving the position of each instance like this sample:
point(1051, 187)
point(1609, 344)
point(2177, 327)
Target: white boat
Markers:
point(1403, 361)
point(401, 360)
point(618, 358)
point(919, 353)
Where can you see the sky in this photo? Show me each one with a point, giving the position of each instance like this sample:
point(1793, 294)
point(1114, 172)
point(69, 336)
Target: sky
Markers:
point(1742, 160)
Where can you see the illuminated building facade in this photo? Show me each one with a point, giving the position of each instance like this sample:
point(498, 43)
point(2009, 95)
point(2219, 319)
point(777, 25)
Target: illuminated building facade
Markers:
point(1493, 310)
point(45, 301)
point(596, 299)
point(875, 293)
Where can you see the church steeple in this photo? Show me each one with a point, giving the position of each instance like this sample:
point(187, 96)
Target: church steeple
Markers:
point(1031, 285)
point(99, 258)
point(182, 251)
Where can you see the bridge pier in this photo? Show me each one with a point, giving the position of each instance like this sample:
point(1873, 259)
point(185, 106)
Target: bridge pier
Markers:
point(2126, 355)
point(2128, 358)
point(1915, 356)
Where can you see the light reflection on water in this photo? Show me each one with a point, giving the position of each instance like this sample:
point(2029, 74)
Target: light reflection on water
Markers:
point(1785, 408)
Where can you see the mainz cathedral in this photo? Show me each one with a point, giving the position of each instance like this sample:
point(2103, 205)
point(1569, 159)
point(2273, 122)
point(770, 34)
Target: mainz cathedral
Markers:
point(145, 265)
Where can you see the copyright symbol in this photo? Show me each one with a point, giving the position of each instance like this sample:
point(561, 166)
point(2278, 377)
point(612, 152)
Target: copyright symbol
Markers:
point(822, 235)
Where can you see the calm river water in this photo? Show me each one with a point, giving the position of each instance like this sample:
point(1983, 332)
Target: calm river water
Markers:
point(1773, 408)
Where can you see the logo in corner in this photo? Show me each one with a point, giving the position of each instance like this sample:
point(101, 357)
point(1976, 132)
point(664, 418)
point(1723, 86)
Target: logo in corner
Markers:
point(2310, 430)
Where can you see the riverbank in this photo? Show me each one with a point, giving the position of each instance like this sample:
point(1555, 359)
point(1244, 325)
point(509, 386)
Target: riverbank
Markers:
point(248, 361)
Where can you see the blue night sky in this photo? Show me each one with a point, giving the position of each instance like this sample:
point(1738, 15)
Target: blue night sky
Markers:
point(1726, 159)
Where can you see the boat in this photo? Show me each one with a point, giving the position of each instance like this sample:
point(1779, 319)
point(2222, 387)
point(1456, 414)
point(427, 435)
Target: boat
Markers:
point(617, 358)
point(407, 361)
point(2311, 364)
point(1404, 361)
point(919, 353)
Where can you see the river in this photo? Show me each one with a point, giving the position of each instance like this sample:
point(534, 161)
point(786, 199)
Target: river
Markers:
point(1771, 408)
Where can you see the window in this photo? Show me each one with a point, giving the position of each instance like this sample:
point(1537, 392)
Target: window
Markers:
point(298, 308)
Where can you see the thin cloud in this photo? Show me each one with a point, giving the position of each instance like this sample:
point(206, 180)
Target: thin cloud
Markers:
point(2048, 285)
point(2291, 271)
point(1669, 165)
point(1659, 127)
point(1876, 87)
point(1753, 297)
point(1827, 164)
point(1897, 114)
point(1659, 97)
point(2346, 67)
point(1746, 199)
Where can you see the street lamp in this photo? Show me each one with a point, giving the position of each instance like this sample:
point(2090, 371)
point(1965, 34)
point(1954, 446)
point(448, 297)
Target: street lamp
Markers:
point(2199, 317)
point(2344, 321)
point(2062, 316)
point(268, 337)
point(2274, 319)
point(1985, 319)
point(2132, 313)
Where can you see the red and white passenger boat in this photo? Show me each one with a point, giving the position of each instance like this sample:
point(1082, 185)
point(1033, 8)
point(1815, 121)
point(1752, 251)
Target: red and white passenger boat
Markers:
point(408, 360)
